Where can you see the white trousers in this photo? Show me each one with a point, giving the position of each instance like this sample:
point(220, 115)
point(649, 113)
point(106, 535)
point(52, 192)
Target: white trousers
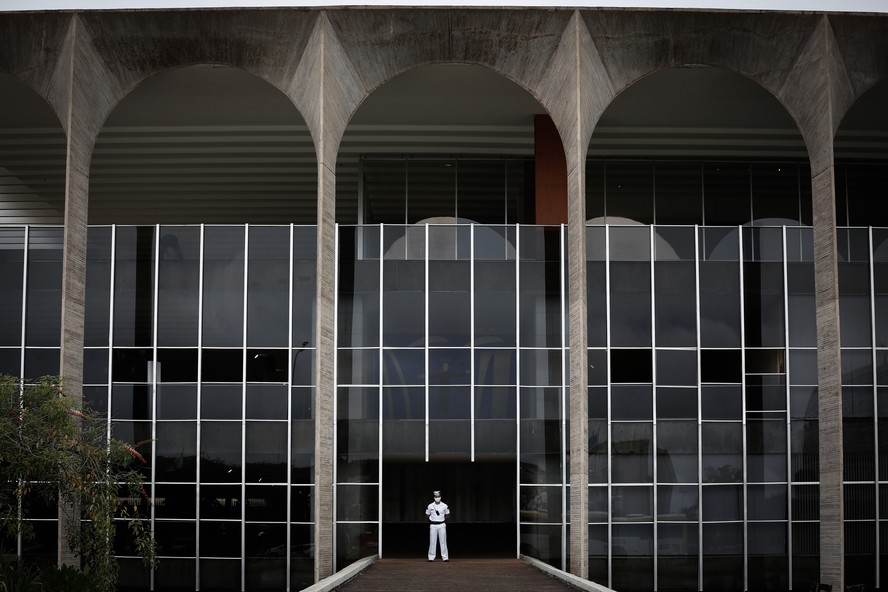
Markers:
point(438, 534)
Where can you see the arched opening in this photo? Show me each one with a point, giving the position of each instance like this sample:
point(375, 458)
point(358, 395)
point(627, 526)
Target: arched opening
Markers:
point(861, 178)
point(204, 144)
point(32, 157)
point(700, 294)
point(444, 157)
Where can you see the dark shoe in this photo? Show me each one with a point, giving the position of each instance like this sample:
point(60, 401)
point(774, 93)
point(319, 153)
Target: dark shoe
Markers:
point(430, 560)
point(446, 561)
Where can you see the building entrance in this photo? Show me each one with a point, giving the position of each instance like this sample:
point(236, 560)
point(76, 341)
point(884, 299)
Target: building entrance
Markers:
point(481, 496)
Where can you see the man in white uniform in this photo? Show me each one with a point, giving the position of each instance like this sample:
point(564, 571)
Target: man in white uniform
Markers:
point(437, 512)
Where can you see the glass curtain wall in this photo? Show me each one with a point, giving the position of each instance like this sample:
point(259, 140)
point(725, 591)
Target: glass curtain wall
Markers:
point(702, 376)
point(30, 321)
point(450, 352)
point(702, 408)
point(186, 351)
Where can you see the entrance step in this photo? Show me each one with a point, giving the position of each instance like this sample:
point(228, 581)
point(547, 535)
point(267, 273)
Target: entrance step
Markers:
point(418, 575)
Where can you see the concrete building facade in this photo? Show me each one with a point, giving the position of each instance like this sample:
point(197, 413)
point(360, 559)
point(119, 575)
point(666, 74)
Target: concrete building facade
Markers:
point(358, 290)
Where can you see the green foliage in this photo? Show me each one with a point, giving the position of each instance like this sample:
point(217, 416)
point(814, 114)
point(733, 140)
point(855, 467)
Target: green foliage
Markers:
point(52, 450)
point(22, 576)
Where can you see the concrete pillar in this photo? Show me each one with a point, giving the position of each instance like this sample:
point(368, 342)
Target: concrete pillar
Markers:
point(811, 91)
point(832, 544)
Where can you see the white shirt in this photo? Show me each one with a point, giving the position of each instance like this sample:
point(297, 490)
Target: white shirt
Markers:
point(437, 511)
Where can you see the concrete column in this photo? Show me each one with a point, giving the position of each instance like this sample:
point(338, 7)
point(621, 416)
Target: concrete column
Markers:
point(329, 90)
point(812, 91)
point(832, 544)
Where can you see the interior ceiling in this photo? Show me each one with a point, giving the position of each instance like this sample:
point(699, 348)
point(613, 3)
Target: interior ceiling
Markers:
point(209, 143)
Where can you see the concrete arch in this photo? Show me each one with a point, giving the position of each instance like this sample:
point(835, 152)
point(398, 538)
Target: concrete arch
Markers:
point(267, 44)
point(209, 122)
point(376, 46)
point(777, 52)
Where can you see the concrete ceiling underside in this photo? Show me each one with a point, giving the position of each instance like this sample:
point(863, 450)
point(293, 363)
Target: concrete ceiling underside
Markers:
point(211, 143)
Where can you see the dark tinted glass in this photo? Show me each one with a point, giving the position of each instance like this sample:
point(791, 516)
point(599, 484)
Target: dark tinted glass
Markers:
point(220, 452)
point(675, 298)
point(726, 194)
point(495, 319)
point(431, 189)
point(12, 258)
point(43, 314)
point(679, 191)
point(630, 297)
point(134, 286)
point(481, 190)
point(223, 305)
point(403, 303)
point(385, 186)
point(176, 450)
point(97, 312)
point(629, 191)
point(764, 306)
point(266, 452)
point(268, 289)
point(775, 194)
point(449, 303)
point(178, 282)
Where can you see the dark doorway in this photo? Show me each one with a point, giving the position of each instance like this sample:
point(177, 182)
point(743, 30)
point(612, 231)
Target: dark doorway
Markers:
point(481, 497)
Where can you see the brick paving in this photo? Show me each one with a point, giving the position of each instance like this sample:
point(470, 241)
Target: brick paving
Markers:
point(418, 575)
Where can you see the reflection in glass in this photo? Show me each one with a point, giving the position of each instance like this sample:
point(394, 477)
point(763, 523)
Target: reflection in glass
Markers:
point(632, 452)
point(97, 305)
point(265, 452)
point(719, 304)
point(633, 556)
point(223, 284)
point(175, 449)
point(722, 448)
point(268, 286)
point(220, 452)
point(676, 303)
point(495, 304)
point(178, 282)
point(677, 451)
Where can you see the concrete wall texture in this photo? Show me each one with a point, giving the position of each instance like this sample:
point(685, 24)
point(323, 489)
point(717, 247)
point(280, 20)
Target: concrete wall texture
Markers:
point(574, 62)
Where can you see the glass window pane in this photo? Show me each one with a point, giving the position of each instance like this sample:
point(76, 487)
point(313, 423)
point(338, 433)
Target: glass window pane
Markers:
point(175, 450)
point(629, 192)
point(676, 303)
point(726, 194)
point(630, 297)
point(223, 285)
point(632, 452)
point(220, 452)
point(495, 317)
point(178, 283)
point(679, 191)
point(677, 452)
point(97, 308)
point(43, 316)
point(719, 304)
point(481, 191)
point(268, 270)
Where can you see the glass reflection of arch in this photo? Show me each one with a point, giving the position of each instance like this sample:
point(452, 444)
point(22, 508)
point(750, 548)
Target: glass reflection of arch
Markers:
point(204, 144)
point(32, 157)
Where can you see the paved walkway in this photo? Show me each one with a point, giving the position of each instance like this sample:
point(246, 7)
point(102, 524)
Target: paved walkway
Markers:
point(418, 575)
